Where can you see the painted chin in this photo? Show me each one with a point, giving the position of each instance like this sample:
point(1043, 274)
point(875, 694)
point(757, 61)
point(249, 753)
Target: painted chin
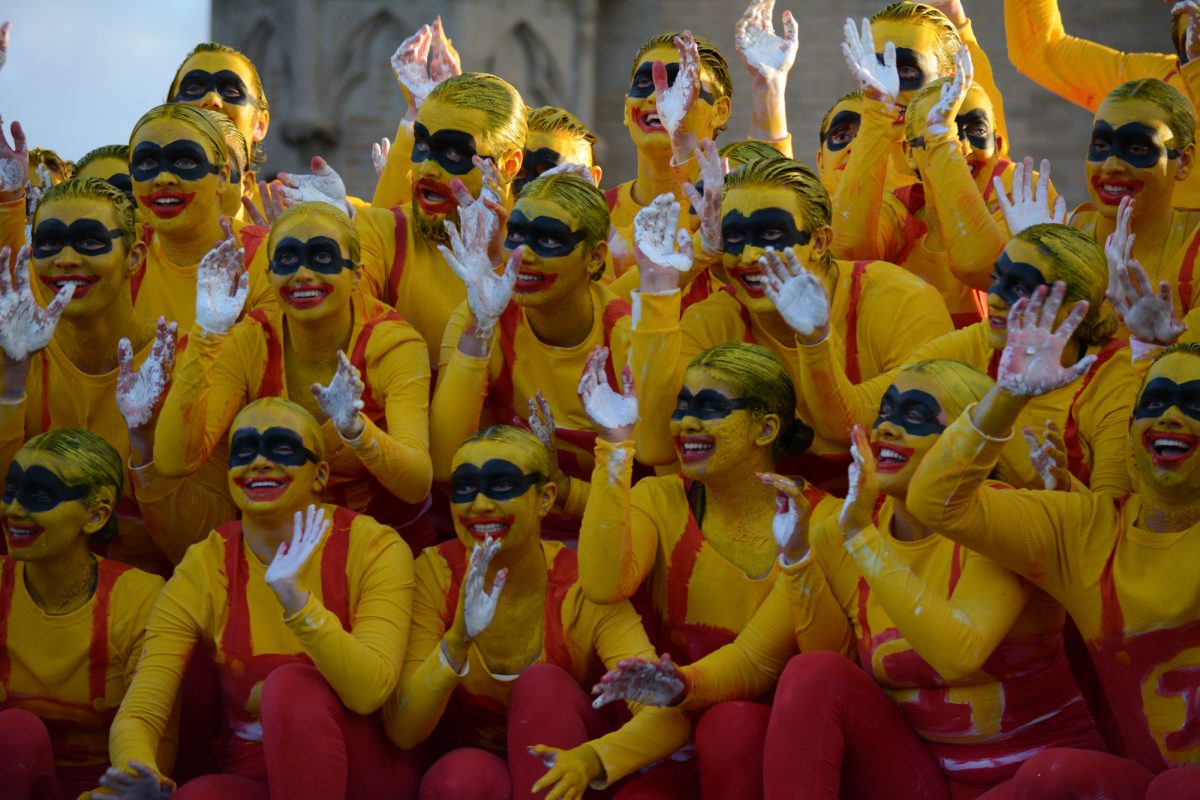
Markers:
point(752, 280)
point(1110, 191)
point(307, 295)
point(891, 459)
point(694, 450)
point(167, 203)
point(434, 198)
point(530, 281)
point(483, 527)
point(82, 283)
point(648, 121)
point(1169, 450)
point(263, 489)
point(22, 535)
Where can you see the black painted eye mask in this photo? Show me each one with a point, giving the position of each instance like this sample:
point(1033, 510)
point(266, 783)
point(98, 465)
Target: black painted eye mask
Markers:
point(320, 254)
point(766, 227)
point(38, 489)
point(643, 81)
point(226, 83)
point(1013, 280)
point(966, 120)
point(707, 404)
point(534, 164)
point(907, 57)
point(1133, 143)
point(914, 411)
point(1161, 394)
point(546, 236)
point(845, 123)
point(122, 181)
point(497, 479)
point(451, 149)
point(282, 446)
point(183, 158)
point(88, 237)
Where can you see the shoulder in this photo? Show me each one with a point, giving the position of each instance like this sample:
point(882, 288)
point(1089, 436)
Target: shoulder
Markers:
point(883, 280)
point(371, 539)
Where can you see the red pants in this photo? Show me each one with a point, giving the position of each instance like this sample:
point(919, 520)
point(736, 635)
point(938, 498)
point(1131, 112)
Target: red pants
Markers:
point(1067, 774)
point(729, 749)
point(313, 747)
point(27, 769)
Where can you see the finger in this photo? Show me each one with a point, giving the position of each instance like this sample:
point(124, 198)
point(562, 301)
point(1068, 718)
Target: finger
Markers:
point(124, 357)
point(1043, 184)
point(462, 195)
point(791, 29)
point(1060, 210)
point(1083, 365)
point(1076, 315)
point(1031, 439)
point(1001, 195)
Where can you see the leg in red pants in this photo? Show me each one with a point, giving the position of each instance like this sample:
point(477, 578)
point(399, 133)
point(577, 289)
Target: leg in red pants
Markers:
point(316, 748)
point(26, 757)
point(1181, 783)
point(1063, 773)
point(729, 747)
point(222, 787)
point(467, 773)
point(835, 734)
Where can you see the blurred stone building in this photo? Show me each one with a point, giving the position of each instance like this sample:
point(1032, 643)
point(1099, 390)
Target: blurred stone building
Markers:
point(325, 67)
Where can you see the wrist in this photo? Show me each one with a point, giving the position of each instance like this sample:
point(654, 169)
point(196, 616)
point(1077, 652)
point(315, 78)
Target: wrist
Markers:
point(290, 594)
point(815, 337)
point(352, 431)
point(13, 196)
point(791, 556)
point(454, 649)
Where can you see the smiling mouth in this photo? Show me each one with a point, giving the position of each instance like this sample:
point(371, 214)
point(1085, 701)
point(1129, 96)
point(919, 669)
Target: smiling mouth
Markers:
point(81, 283)
point(263, 490)
point(484, 527)
point(1168, 450)
point(1110, 192)
point(20, 536)
point(530, 281)
point(891, 458)
point(435, 198)
point(752, 281)
point(694, 449)
point(166, 203)
point(649, 121)
point(305, 296)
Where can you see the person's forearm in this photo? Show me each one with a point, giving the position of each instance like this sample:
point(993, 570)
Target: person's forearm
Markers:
point(655, 353)
point(183, 438)
point(972, 236)
point(456, 409)
point(416, 707)
point(608, 568)
point(858, 201)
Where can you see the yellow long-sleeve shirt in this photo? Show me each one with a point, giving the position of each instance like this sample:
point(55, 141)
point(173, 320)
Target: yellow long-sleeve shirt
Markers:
point(217, 376)
point(1132, 592)
point(72, 670)
point(370, 572)
point(579, 636)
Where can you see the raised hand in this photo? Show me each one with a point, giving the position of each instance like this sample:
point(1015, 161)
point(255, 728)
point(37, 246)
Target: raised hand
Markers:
point(1148, 315)
point(673, 102)
point(379, 154)
point(139, 391)
point(14, 160)
point(541, 424)
point(859, 505)
point(663, 250)
point(1191, 41)
point(134, 782)
point(410, 63)
point(270, 194)
point(643, 681)
point(5, 30)
point(940, 122)
point(614, 414)
point(1032, 361)
point(341, 400)
point(798, 295)
point(444, 61)
point(282, 575)
point(1049, 456)
point(488, 294)
point(34, 192)
point(952, 9)
point(570, 168)
point(1030, 204)
point(478, 604)
point(25, 327)
point(713, 170)
point(222, 285)
point(490, 193)
point(792, 510)
point(323, 185)
point(878, 81)
point(766, 56)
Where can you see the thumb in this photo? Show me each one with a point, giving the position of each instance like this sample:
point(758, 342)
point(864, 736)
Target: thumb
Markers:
point(1081, 367)
point(318, 166)
point(791, 31)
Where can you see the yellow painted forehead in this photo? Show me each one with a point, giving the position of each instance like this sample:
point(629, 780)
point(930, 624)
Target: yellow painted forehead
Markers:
point(437, 115)
point(1023, 252)
point(669, 55)
point(748, 199)
point(854, 104)
point(164, 130)
point(534, 207)
point(914, 36)
point(213, 63)
point(103, 168)
point(1118, 111)
point(69, 209)
point(478, 453)
point(697, 379)
point(1179, 367)
point(571, 148)
point(276, 415)
point(306, 226)
point(27, 457)
point(907, 381)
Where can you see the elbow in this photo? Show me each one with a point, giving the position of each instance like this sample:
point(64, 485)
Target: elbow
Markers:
point(402, 735)
point(418, 480)
point(603, 595)
point(963, 662)
point(364, 705)
point(172, 462)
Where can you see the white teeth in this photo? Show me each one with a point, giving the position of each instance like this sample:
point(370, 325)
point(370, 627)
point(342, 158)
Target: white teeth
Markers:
point(887, 454)
point(753, 281)
point(22, 533)
point(168, 201)
point(434, 197)
point(1112, 189)
point(488, 527)
point(1172, 444)
point(265, 484)
point(652, 119)
point(307, 294)
point(696, 446)
point(523, 277)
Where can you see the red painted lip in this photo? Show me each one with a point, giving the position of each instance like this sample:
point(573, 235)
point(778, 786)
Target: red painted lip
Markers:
point(1171, 460)
point(695, 456)
point(888, 466)
point(639, 119)
point(742, 273)
point(28, 534)
point(543, 281)
point(83, 283)
point(999, 323)
point(263, 494)
point(427, 189)
point(288, 293)
point(506, 523)
point(167, 211)
point(1113, 199)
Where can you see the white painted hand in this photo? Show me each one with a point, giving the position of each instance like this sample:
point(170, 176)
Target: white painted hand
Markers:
point(1149, 316)
point(798, 295)
point(222, 285)
point(1191, 42)
point(25, 327)
point(324, 185)
point(940, 122)
point(410, 63)
point(139, 391)
point(35, 192)
point(790, 523)
point(1031, 364)
point(1030, 204)
point(5, 30)
point(541, 422)
point(341, 400)
point(136, 782)
point(1049, 456)
point(878, 81)
point(673, 102)
point(488, 294)
point(663, 250)
point(642, 681)
point(444, 61)
point(479, 605)
point(14, 160)
point(282, 575)
point(613, 413)
point(766, 56)
point(859, 506)
point(570, 168)
point(713, 170)
point(379, 154)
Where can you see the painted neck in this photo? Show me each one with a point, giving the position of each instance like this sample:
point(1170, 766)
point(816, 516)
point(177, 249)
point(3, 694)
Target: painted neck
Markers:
point(265, 532)
point(526, 565)
point(566, 322)
point(91, 342)
point(654, 177)
point(740, 481)
point(64, 583)
point(905, 527)
point(1168, 512)
point(318, 341)
point(187, 247)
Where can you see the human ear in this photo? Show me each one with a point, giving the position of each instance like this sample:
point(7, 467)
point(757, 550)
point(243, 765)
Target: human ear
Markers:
point(510, 164)
point(98, 517)
point(546, 497)
point(771, 428)
point(136, 258)
point(1186, 157)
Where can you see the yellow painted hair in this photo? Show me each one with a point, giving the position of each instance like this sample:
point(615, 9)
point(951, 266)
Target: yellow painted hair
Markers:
point(308, 428)
point(961, 384)
point(552, 119)
point(580, 197)
point(203, 122)
point(520, 439)
point(1079, 262)
point(118, 151)
point(497, 99)
point(815, 205)
point(1180, 117)
point(856, 95)
point(90, 460)
point(346, 228)
point(257, 154)
point(710, 59)
point(235, 141)
point(920, 14)
point(94, 189)
point(746, 150)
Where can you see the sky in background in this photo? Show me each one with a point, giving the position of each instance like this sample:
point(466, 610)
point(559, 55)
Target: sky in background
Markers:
point(81, 72)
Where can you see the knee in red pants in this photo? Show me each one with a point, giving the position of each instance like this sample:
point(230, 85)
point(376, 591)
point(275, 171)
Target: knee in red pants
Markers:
point(26, 756)
point(729, 747)
point(1180, 783)
point(541, 685)
point(1062, 773)
point(467, 773)
point(292, 695)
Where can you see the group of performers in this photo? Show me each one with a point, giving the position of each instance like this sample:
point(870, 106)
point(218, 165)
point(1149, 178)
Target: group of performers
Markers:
point(734, 480)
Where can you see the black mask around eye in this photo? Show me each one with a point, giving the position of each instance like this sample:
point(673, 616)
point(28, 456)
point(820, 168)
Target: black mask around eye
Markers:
point(320, 254)
point(1163, 393)
point(1133, 143)
point(844, 122)
point(451, 149)
point(915, 411)
point(1014, 280)
point(968, 119)
point(907, 57)
point(183, 158)
point(88, 237)
point(706, 404)
point(546, 236)
point(534, 164)
point(282, 446)
point(643, 81)
point(38, 489)
point(226, 83)
point(497, 479)
point(766, 227)
point(122, 181)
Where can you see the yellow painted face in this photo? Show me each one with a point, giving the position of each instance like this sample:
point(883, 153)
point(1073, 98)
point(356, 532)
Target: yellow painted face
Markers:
point(714, 433)
point(976, 130)
point(222, 82)
point(916, 53)
point(309, 268)
point(641, 104)
point(1131, 154)
point(752, 219)
point(174, 182)
point(547, 149)
point(446, 136)
point(909, 422)
point(555, 262)
point(837, 141)
point(76, 240)
point(45, 507)
point(495, 492)
point(113, 170)
point(1021, 268)
point(273, 468)
point(1165, 430)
